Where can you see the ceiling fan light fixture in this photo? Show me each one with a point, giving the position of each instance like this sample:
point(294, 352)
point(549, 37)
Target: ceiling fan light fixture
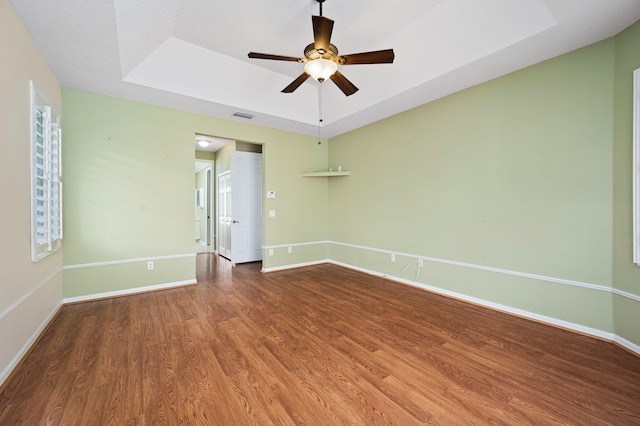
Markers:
point(320, 69)
point(321, 58)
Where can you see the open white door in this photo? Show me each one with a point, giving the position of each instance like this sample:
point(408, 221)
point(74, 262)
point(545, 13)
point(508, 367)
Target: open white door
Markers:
point(246, 208)
point(224, 215)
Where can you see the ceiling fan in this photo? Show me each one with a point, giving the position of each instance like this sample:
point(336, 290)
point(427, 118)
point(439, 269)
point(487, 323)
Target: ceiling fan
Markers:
point(321, 58)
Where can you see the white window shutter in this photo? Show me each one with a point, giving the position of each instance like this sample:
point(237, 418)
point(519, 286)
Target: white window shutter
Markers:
point(46, 176)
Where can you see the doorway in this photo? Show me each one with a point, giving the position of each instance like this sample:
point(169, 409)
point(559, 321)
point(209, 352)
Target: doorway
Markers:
point(203, 207)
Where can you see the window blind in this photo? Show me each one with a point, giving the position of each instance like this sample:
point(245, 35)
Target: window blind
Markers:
point(46, 176)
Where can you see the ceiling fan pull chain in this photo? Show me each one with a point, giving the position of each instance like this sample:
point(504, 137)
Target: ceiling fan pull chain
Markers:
point(319, 108)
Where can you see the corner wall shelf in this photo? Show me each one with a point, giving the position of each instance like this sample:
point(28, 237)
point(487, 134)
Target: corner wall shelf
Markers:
point(327, 173)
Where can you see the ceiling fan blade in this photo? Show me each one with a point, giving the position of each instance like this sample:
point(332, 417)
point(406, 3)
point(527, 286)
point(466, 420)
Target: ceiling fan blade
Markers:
point(322, 28)
point(347, 87)
point(377, 57)
point(255, 55)
point(296, 83)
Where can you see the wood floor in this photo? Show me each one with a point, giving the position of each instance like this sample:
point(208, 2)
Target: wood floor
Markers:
point(315, 346)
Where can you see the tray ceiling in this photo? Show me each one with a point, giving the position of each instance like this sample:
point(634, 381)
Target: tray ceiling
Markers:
point(192, 54)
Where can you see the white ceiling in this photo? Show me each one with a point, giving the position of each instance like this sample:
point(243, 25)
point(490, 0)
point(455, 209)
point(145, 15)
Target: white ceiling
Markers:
point(215, 144)
point(192, 54)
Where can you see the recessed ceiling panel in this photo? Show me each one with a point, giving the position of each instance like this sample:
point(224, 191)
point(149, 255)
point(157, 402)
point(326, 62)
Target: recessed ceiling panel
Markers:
point(180, 67)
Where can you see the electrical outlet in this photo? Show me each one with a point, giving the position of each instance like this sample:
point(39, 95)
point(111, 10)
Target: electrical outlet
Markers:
point(420, 263)
point(150, 265)
point(289, 249)
point(272, 213)
point(270, 252)
point(393, 257)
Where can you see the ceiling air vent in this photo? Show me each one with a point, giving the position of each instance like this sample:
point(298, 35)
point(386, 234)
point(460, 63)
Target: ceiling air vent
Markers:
point(243, 115)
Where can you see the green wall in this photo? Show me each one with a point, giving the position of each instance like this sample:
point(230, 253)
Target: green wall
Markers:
point(515, 174)
point(248, 147)
point(126, 173)
point(626, 275)
point(223, 158)
point(129, 188)
point(205, 155)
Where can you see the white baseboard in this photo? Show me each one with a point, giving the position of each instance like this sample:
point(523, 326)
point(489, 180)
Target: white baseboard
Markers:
point(626, 344)
point(4, 375)
point(128, 292)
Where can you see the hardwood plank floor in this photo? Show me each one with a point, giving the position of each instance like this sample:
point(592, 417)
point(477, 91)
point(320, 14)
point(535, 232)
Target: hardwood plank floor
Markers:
point(321, 345)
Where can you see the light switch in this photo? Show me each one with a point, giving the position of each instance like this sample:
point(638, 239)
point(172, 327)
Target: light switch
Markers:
point(272, 213)
point(271, 194)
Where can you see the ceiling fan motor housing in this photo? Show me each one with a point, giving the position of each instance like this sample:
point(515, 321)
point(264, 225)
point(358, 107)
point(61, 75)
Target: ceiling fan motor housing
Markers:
point(311, 53)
